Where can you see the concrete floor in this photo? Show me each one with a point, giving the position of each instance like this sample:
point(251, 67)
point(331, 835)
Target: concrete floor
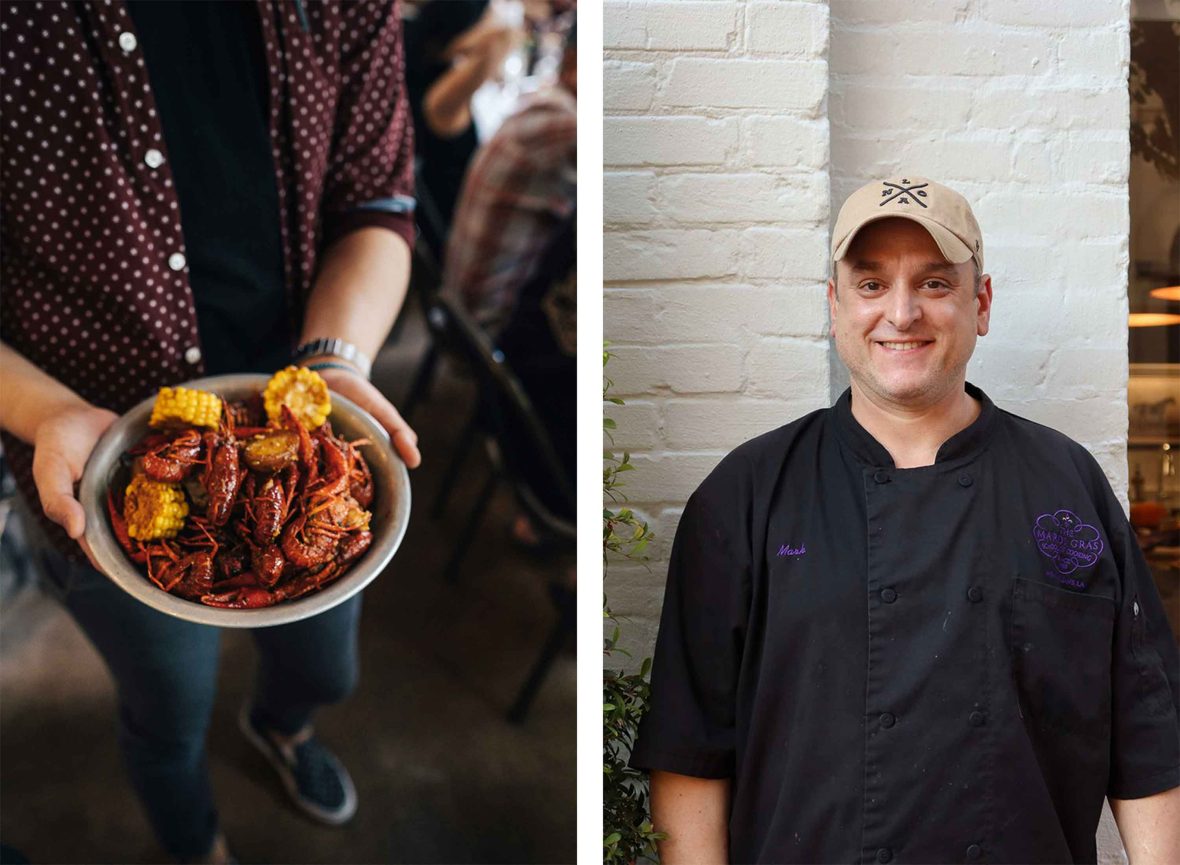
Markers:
point(441, 775)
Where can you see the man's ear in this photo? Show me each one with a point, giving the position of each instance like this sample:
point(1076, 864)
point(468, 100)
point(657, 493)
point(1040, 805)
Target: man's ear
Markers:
point(833, 300)
point(984, 299)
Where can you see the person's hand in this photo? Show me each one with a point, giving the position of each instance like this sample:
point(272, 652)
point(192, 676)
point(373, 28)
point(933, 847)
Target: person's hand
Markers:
point(488, 43)
point(61, 446)
point(364, 394)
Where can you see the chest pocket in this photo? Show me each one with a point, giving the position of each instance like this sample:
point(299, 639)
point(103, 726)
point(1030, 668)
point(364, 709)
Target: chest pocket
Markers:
point(1061, 649)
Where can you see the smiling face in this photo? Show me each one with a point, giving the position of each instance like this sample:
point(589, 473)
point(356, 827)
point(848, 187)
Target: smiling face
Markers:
point(905, 320)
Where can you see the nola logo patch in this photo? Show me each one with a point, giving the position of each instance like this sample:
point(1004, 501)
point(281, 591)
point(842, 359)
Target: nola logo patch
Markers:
point(1069, 543)
point(903, 193)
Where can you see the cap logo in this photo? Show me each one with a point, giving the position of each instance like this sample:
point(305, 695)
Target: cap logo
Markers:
point(903, 193)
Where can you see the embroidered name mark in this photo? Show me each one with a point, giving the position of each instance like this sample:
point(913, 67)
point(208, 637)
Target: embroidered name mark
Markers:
point(787, 550)
point(903, 192)
point(1068, 542)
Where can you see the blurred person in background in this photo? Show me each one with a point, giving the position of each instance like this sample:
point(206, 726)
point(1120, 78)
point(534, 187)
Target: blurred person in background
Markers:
point(521, 186)
point(184, 194)
point(453, 47)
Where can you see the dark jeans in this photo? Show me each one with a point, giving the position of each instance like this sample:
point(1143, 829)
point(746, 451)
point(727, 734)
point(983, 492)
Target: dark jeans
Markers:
point(165, 671)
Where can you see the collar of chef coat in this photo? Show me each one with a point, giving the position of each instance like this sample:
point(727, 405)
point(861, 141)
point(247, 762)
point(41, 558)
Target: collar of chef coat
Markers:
point(865, 449)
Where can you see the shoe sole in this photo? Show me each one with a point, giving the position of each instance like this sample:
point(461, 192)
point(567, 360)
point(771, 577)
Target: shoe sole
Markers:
point(331, 818)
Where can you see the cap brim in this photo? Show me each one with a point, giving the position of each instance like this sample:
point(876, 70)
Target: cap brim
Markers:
point(953, 250)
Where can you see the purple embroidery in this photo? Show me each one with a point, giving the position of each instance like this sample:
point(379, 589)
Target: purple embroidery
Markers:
point(788, 550)
point(1068, 542)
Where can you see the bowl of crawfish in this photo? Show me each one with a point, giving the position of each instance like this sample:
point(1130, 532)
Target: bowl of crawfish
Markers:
point(324, 559)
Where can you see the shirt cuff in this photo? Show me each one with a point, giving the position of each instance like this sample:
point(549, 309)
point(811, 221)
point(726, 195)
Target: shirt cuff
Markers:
point(1146, 785)
point(697, 763)
point(340, 224)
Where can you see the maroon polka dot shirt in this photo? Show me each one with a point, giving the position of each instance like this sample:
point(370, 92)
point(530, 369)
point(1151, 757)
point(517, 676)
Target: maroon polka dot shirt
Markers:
point(94, 285)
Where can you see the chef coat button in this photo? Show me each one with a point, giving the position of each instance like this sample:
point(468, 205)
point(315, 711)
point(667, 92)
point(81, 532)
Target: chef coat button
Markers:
point(176, 261)
point(888, 596)
point(975, 594)
point(884, 855)
point(192, 354)
point(977, 719)
point(153, 158)
point(881, 476)
point(965, 480)
point(128, 42)
point(887, 719)
point(974, 852)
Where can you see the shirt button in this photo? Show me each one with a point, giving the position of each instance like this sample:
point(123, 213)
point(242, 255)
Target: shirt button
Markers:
point(974, 852)
point(128, 42)
point(153, 158)
point(887, 719)
point(965, 480)
point(192, 354)
point(975, 594)
point(888, 596)
point(881, 476)
point(176, 261)
point(884, 855)
point(977, 719)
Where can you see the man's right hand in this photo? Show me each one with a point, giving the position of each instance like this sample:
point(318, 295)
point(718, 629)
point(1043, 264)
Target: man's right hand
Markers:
point(62, 445)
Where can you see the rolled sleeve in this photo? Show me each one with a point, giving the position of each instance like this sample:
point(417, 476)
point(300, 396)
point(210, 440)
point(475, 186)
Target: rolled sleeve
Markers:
point(370, 180)
point(1145, 745)
point(690, 728)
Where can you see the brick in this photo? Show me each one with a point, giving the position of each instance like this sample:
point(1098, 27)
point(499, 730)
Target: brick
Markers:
point(1090, 214)
point(638, 425)
point(864, 105)
point(786, 141)
point(775, 253)
point(1043, 108)
point(763, 84)
point(1092, 160)
point(791, 369)
point(1085, 421)
point(628, 198)
point(972, 52)
point(640, 370)
point(787, 29)
point(721, 198)
point(627, 315)
point(1102, 57)
point(889, 12)
point(1004, 368)
point(670, 254)
point(671, 26)
point(669, 477)
point(667, 140)
point(1088, 372)
point(1021, 13)
point(724, 313)
point(866, 52)
point(627, 86)
point(723, 424)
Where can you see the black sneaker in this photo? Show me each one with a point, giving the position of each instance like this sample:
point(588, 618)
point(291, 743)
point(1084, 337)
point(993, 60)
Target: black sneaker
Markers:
point(316, 780)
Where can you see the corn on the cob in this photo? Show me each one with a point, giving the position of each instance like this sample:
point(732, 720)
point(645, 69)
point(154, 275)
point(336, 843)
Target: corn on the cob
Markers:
point(153, 509)
point(303, 391)
point(182, 406)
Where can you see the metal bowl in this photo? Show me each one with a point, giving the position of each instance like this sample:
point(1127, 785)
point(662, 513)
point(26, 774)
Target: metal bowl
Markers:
point(390, 509)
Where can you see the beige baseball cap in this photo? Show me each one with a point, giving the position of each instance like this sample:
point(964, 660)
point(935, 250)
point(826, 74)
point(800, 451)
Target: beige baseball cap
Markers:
point(937, 208)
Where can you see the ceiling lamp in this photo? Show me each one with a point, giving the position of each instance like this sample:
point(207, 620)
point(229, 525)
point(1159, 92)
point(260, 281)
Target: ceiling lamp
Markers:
point(1171, 292)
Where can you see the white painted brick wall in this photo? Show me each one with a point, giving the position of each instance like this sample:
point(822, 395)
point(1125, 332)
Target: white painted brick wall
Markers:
point(716, 208)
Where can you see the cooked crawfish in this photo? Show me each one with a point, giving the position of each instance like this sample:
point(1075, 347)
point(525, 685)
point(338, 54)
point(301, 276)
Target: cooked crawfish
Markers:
point(275, 513)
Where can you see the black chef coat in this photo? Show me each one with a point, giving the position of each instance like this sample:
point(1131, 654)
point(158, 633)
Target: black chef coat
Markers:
point(940, 664)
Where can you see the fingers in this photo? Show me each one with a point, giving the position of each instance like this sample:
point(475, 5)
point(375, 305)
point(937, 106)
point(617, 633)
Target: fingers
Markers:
point(55, 485)
point(368, 397)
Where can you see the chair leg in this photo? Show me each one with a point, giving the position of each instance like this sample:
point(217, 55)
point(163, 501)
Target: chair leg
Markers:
point(422, 381)
point(473, 520)
point(466, 440)
point(566, 621)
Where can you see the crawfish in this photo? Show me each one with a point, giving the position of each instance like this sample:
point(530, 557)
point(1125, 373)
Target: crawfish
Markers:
point(170, 458)
point(268, 563)
point(189, 576)
point(272, 504)
point(223, 470)
point(309, 542)
point(133, 548)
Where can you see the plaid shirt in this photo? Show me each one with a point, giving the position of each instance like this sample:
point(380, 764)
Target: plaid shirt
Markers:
point(518, 189)
point(94, 284)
